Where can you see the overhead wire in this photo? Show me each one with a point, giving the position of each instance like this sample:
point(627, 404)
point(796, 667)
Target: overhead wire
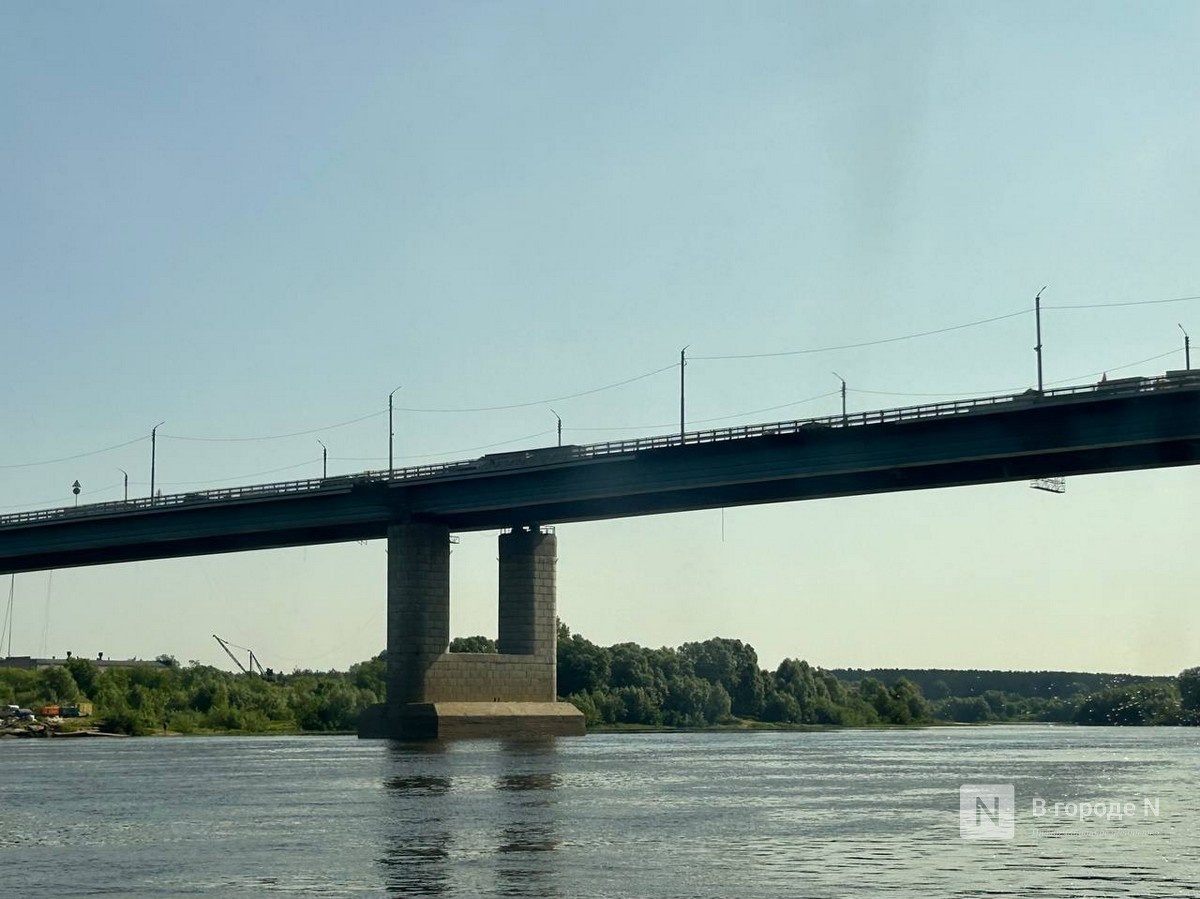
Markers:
point(868, 343)
point(626, 381)
point(1005, 390)
point(553, 399)
point(304, 433)
point(443, 453)
point(342, 424)
point(253, 474)
point(97, 452)
point(1117, 305)
point(315, 461)
point(1077, 378)
point(936, 331)
point(704, 421)
point(41, 502)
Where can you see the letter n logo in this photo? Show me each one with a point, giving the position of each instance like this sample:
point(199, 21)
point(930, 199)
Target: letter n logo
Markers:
point(986, 811)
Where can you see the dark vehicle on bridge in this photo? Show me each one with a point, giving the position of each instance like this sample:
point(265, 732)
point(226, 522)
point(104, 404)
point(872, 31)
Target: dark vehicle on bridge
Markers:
point(522, 458)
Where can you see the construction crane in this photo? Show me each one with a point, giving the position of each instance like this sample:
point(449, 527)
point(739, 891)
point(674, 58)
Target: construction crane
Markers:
point(225, 644)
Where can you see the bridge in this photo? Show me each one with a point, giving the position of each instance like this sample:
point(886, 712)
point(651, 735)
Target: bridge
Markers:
point(1121, 425)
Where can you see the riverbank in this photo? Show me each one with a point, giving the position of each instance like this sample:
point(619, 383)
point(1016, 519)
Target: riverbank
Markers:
point(713, 686)
point(42, 730)
point(746, 727)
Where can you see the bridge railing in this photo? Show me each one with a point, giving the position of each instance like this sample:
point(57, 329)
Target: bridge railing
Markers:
point(565, 455)
point(895, 415)
point(740, 432)
point(221, 494)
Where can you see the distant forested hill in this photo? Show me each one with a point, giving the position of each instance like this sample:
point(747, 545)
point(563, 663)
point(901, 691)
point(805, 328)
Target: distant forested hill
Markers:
point(938, 683)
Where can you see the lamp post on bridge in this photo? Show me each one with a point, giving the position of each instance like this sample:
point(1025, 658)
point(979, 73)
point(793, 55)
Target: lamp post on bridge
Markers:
point(124, 472)
point(324, 460)
point(559, 417)
point(843, 380)
point(1037, 311)
point(1187, 349)
point(391, 431)
point(153, 454)
point(682, 366)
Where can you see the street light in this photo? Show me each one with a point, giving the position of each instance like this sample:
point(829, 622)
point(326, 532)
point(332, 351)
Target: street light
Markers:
point(559, 417)
point(1037, 313)
point(843, 380)
point(682, 366)
point(153, 452)
point(391, 431)
point(1187, 349)
point(324, 460)
point(124, 472)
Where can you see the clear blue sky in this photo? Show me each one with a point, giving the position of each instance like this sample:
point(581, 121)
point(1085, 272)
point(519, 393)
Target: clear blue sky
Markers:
point(256, 220)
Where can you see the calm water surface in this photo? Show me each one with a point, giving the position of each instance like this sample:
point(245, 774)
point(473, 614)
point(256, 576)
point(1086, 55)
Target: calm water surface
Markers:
point(846, 813)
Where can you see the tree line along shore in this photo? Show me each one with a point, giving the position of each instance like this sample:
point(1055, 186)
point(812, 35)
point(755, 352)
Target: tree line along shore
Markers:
point(714, 683)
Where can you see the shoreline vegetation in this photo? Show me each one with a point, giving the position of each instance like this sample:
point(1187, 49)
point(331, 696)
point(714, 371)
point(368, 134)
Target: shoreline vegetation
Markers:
point(714, 685)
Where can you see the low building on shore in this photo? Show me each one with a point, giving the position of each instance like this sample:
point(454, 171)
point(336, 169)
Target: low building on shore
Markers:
point(30, 663)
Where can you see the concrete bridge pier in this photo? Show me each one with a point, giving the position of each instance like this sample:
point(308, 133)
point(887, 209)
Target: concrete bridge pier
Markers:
point(433, 693)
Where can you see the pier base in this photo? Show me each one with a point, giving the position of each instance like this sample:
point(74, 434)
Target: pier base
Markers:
point(435, 694)
point(467, 720)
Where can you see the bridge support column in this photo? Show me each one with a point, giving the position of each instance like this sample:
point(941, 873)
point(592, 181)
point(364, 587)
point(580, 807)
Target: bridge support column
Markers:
point(436, 694)
point(418, 607)
point(528, 624)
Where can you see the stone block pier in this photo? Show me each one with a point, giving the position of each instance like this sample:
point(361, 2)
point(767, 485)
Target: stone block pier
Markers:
point(436, 694)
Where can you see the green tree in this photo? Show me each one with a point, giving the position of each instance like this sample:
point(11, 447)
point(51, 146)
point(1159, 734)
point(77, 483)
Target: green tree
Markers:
point(629, 666)
point(473, 644)
point(718, 707)
point(85, 672)
point(372, 675)
point(872, 692)
point(582, 666)
point(781, 707)
point(809, 687)
point(751, 690)
point(732, 664)
point(686, 702)
point(58, 685)
point(609, 706)
point(714, 660)
point(587, 704)
point(1189, 690)
point(639, 705)
point(209, 694)
point(908, 705)
point(939, 689)
point(1132, 704)
point(999, 703)
point(20, 687)
point(966, 709)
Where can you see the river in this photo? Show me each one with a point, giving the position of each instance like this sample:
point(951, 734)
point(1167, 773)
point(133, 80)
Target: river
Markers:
point(760, 814)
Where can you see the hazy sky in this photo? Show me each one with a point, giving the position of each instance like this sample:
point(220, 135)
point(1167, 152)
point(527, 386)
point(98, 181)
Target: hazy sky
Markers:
point(253, 220)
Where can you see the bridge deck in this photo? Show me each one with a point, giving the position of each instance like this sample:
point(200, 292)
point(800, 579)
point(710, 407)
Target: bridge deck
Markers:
point(1113, 426)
